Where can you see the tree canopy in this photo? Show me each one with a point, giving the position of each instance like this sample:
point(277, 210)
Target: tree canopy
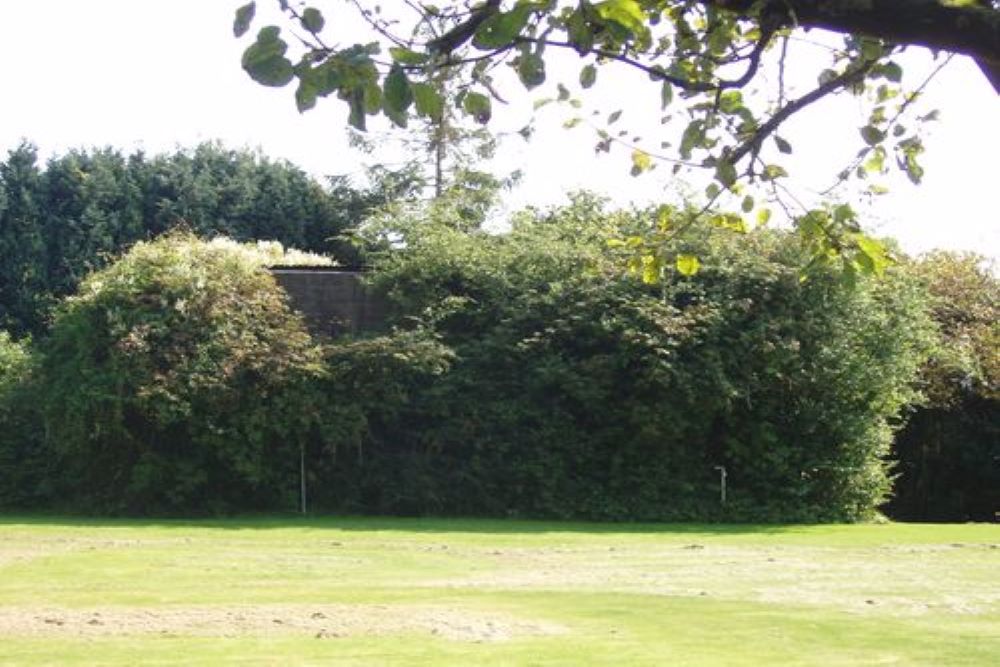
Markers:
point(706, 52)
point(949, 449)
point(720, 66)
point(73, 213)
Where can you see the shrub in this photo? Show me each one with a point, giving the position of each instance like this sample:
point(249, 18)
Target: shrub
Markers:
point(171, 382)
point(23, 464)
point(949, 453)
point(14, 362)
point(579, 392)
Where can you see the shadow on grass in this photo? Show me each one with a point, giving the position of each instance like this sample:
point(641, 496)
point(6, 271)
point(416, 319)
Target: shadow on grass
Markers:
point(402, 524)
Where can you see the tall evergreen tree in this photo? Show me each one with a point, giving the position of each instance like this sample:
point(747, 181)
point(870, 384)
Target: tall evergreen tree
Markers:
point(63, 221)
point(23, 293)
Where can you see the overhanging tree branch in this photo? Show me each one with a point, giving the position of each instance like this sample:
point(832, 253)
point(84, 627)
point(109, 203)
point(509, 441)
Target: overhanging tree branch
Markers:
point(840, 82)
point(657, 73)
point(963, 28)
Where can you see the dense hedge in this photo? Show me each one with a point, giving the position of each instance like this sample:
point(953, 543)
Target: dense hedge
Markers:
point(948, 455)
point(526, 376)
point(577, 392)
point(24, 467)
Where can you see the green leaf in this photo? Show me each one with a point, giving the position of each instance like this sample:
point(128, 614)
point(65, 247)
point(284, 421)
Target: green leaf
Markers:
point(763, 216)
point(614, 116)
point(844, 213)
point(478, 106)
point(406, 56)
point(531, 70)
point(305, 95)
point(875, 164)
point(651, 269)
point(914, 171)
point(747, 204)
point(579, 30)
point(873, 256)
point(641, 161)
point(783, 146)
point(372, 98)
point(326, 78)
point(427, 101)
point(666, 95)
point(664, 218)
point(687, 265)
point(265, 61)
point(501, 29)
point(312, 20)
point(729, 221)
point(396, 95)
point(871, 49)
point(892, 71)
point(872, 135)
point(356, 119)
point(911, 148)
point(884, 93)
point(730, 101)
point(719, 41)
point(244, 17)
point(588, 75)
point(725, 173)
point(693, 137)
point(626, 13)
point(773, 172)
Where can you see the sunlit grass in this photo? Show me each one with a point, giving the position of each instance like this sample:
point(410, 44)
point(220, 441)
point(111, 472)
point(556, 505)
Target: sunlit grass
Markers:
point(381, 591)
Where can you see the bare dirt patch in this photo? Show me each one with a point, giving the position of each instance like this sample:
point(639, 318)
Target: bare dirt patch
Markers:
point(319, 621)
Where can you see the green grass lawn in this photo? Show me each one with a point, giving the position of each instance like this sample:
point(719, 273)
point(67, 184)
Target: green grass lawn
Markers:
point(438, 592)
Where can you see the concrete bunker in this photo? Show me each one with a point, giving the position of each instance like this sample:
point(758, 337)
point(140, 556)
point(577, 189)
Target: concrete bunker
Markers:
point(334, 301)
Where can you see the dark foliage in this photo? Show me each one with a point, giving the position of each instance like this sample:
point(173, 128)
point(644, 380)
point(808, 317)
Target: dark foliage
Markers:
point(173, 382)
point(62, 220)
point(577, 392)
point(949, 453)
point(525, 376)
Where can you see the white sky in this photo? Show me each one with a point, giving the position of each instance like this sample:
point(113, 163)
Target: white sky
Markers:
point(158, 74)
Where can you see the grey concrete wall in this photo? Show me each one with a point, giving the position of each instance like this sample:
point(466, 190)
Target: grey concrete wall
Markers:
point(333, 302)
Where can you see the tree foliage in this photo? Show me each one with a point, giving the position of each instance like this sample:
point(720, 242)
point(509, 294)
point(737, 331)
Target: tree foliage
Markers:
point(23, 267)
point(525, 375)
point(949, 452)
point(61, 220)
point(707, 57)
point(25, 469)
point(169, 382)
point(578, 392)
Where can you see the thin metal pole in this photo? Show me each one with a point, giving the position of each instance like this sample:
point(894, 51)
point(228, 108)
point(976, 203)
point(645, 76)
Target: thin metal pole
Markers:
point(722, 483)
point(302, 476)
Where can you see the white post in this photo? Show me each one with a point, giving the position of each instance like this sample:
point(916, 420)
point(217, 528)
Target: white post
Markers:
point(722, 483)
point(302, 476)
